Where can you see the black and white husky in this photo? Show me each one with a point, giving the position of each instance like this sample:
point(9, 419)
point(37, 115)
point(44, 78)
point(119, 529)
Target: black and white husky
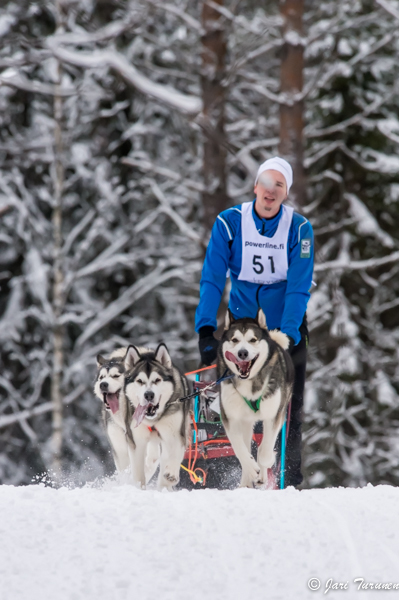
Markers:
point(109, 387)
point(154, 386)
point(117, 413)
point(259, 391)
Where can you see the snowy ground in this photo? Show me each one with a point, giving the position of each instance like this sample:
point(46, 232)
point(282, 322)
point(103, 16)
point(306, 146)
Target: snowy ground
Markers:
point(118, 542)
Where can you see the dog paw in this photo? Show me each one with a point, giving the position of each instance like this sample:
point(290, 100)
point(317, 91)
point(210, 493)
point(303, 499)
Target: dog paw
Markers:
point(264, 479)
point(168, 481)
point(171, 478)
point(250, 474)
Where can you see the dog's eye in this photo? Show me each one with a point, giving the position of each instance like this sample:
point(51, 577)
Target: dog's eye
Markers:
point(253, 340)
point(139, 381)
point(234, 340)
point(158, 380)
point(116, 375)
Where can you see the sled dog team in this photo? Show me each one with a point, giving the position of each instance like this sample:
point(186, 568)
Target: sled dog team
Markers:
point(148, 425)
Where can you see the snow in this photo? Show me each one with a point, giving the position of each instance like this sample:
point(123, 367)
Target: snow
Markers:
point(191, 105)
point(116, 542)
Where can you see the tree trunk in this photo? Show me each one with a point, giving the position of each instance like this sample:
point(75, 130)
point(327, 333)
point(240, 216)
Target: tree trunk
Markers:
point(291, 83)
point(58, 282)
point(213, 54)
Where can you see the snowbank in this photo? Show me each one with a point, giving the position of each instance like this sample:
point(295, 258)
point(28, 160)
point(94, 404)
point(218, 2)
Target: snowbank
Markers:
point(118, 542)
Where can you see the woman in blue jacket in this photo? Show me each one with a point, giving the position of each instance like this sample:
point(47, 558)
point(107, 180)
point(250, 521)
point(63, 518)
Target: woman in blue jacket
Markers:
point(267, 249)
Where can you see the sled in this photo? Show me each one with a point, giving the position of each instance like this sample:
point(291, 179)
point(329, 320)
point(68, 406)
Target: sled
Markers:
point(209, 461)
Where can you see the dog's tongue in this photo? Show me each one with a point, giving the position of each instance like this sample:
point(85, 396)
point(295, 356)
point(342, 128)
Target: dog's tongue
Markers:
point(139, 413)
point(243, 364)
point(113, 402)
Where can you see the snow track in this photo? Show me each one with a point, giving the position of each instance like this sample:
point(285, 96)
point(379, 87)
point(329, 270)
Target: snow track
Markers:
point(118, 542)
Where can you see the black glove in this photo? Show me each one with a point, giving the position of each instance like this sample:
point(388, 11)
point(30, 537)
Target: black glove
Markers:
point(291, 346)
point(208, 345)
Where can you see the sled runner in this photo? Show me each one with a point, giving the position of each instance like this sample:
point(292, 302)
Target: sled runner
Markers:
point(209, 461)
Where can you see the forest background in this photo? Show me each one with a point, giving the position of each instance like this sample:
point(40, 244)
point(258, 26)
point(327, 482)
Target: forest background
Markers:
point(126, 127)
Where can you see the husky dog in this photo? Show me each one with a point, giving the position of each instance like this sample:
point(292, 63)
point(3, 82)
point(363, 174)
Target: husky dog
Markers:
point(117, 412)
point(153, 387)
point(259, 391)
point(109, 387)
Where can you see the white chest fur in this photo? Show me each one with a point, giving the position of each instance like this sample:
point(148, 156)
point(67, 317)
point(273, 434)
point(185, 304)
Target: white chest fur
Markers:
point(235, 406)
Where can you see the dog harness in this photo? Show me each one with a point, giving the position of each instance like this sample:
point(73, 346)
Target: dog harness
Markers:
point(264, 259)
point(253, 404)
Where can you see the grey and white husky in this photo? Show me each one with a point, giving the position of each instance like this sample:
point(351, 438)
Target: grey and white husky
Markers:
point(117, 415)
point(259, 391)
point(154, 386)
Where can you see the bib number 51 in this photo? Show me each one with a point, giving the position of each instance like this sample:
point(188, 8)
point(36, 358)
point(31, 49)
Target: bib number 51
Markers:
point(258, 267)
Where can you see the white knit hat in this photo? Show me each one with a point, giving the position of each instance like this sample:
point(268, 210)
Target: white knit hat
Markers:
point(277, 164)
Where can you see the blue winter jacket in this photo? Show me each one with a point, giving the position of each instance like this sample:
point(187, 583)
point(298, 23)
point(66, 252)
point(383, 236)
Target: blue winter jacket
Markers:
point(284, 303)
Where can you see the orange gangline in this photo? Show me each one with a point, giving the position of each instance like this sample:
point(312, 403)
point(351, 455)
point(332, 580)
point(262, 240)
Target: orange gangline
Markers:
point(199, 370)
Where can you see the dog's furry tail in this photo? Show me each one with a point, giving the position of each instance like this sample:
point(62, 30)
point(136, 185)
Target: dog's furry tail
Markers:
point(280, 337)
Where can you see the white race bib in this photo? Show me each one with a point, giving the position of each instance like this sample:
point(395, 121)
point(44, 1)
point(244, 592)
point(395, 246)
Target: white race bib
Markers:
point(264, 260)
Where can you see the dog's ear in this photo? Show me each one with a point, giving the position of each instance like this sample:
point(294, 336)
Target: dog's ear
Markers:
point(100, 360)
point(261, 319)
point(229, 320)
point(162, 355)
point(132, 357)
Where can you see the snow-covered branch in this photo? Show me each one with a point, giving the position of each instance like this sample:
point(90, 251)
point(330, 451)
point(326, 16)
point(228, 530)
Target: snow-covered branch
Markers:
point(366, 223)
point(186, 229)
point(389, 8)
point(136, 291)
point(241, 21)
point(177, 11)
point(263, 49)
point(190, 105)
point(98, 263)
point(372, 107)
point(372, 49)
point(13, 78)
point(357, 265)
point(150, 167)
point(45, 407)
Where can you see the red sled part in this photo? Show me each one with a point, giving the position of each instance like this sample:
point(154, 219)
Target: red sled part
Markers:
point(218, 448)
point(211, 449)
point(221, 448)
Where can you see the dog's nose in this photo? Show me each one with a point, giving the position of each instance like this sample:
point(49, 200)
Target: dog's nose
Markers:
point(242, 354)
point(103, 386)
point(149, 396)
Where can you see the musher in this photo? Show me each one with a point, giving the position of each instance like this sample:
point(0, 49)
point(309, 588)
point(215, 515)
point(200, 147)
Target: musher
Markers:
point(267, 248)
